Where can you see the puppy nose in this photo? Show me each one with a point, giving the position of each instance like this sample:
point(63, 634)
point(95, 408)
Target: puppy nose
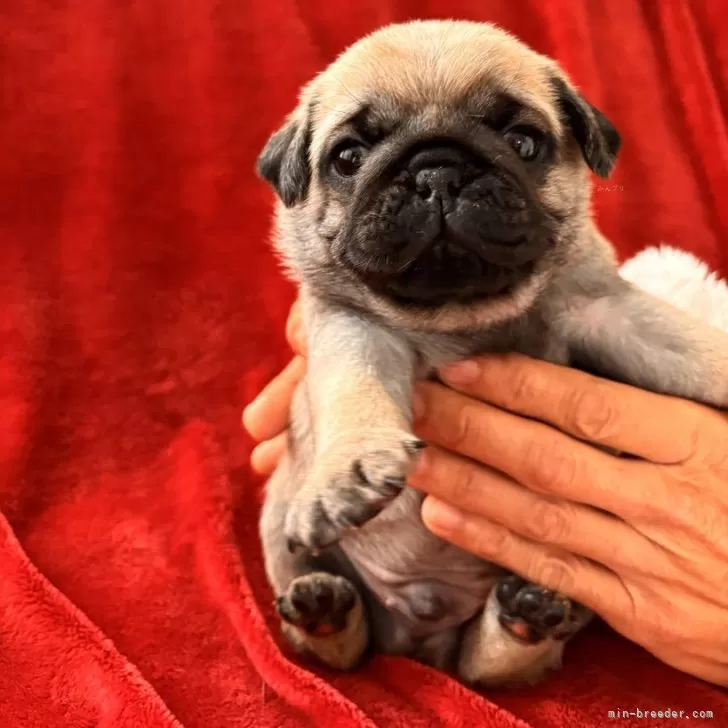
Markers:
point(441, 182)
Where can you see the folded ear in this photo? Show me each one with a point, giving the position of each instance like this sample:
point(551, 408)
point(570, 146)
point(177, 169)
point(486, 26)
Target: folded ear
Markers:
point(284, 161)
point(595, 134)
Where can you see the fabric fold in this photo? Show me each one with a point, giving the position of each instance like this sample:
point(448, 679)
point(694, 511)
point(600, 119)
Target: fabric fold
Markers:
point(141, 308)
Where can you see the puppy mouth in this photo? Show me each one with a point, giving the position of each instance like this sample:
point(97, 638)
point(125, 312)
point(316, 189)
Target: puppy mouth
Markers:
point(448, 260)
point(448, 272)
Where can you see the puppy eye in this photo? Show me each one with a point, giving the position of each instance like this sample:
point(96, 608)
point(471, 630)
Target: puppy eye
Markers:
point(348, 159)
point(527, 144)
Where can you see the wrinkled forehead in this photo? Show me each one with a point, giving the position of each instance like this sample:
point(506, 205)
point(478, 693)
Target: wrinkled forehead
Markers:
point(416, 73)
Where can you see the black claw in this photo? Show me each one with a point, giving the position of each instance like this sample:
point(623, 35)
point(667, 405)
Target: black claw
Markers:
point(359, 472)
point(414, 446)
point(395, 482)
point(350, 520)
point(358, 514)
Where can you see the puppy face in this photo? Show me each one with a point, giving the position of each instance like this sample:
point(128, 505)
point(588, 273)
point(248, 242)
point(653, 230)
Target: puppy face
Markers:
point(436, 167)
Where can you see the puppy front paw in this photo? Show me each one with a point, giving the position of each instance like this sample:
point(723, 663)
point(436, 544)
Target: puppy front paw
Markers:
point(350, 485)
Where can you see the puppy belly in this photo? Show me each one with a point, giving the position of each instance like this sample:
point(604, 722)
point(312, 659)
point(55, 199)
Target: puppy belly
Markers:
point(426, 584)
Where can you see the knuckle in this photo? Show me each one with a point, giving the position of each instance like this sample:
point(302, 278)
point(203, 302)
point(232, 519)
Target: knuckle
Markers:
point(552, 466)
point(522, 384)
point(465, 428)
point(648, 506)
point(493, 543)
point(464, 486)
point(555, 573)
point(546, 521)
point(591, 413)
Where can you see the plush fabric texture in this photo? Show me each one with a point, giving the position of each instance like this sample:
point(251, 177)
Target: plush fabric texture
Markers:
point(681, 279)
point(141, 308)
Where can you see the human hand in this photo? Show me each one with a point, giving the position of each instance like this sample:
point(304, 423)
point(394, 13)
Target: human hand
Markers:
point(266, 418)
point(652, 562)
point(513, 476)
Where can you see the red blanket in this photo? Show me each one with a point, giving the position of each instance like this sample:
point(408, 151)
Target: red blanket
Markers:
point(140, 309)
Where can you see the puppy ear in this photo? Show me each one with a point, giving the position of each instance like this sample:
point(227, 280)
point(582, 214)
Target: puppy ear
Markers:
point(596, 135)
point(284, 161)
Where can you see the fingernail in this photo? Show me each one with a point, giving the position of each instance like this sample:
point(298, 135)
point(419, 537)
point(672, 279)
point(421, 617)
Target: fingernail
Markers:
point(418, 406)
point(248, 412)
point(255, 459)
point(441, 517)
point(462, 372)
point(420, 465)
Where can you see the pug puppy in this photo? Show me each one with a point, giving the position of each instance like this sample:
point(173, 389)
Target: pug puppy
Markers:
point(435, 204)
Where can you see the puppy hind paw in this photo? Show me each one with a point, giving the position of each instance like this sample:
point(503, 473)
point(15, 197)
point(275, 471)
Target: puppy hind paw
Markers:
point(531, 613)
point(317, 603)
point(323, 618)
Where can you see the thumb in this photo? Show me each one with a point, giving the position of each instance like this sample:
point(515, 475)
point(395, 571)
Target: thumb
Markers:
point(295, 332)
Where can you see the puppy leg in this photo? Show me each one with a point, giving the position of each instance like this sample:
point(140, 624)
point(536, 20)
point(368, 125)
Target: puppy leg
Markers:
point(321, 613)
point(628, 335)
point(359, 387)
point(520, 635)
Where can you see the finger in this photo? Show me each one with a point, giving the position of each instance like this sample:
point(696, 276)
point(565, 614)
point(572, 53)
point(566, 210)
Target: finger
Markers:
point(591, 584)
point(534, 454)
point(480, 490)
point(295, 334)
point(265, 458)
point(654, 427)
point(268, 414)
point(711, 669)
